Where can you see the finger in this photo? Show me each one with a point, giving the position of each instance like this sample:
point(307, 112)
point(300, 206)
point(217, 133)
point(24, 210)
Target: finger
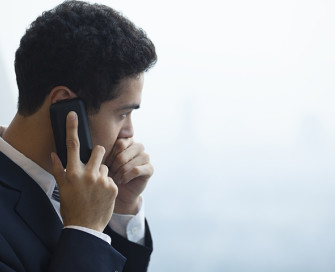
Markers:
point(113, 186)
point(57, 169)
point(97, 155)
point(137, 161)
point(119, 146)
point(144, 171)
point(103, 170)
point(72, 141)
point(126, 155)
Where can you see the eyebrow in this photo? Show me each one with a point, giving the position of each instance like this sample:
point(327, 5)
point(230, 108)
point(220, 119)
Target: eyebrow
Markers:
point(130, 107)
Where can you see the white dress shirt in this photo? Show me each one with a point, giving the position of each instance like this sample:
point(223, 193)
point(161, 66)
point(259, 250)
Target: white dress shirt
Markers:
point(131, 227)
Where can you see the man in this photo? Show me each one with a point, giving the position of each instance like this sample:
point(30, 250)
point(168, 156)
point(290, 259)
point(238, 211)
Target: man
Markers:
point(94, 53)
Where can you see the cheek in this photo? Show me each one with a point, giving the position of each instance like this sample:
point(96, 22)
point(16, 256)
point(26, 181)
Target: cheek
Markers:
point(104, 135)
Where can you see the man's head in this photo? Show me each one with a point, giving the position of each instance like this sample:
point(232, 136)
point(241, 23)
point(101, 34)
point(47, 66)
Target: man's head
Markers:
point(90, 49)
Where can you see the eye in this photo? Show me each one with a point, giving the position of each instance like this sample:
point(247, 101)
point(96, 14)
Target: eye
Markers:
point(124, 115)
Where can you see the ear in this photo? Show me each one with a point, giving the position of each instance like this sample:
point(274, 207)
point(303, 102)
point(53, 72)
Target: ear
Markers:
point(60, 93)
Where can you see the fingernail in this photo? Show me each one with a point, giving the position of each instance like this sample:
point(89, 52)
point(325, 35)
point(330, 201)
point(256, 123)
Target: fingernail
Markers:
point(72, 115)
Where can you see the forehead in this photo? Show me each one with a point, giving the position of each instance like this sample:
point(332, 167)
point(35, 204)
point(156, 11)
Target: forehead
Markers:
point(130, 90)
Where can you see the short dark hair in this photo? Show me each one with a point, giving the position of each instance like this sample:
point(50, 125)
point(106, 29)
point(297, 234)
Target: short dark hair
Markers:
point(89, 48)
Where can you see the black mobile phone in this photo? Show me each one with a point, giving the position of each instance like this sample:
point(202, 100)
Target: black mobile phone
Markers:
point(58, 113)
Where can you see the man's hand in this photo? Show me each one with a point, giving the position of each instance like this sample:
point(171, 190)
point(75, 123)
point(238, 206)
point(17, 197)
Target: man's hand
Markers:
point(130, 168)
point(87, 194)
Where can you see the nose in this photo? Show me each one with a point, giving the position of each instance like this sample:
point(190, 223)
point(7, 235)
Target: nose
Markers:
point(127, 131)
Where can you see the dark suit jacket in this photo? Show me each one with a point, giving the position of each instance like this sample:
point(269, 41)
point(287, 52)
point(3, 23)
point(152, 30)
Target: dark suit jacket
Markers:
point(32, 236)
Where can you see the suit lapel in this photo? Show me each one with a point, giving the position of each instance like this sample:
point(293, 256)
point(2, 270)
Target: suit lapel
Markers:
point(33, 206)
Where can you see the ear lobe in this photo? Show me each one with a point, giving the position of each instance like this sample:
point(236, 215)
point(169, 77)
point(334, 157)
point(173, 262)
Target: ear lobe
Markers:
point(60, 93)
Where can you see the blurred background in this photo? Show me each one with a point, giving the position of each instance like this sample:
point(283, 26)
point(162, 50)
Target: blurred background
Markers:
point(238, 116)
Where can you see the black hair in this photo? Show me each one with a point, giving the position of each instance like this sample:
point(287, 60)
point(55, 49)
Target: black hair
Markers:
point(88, 48)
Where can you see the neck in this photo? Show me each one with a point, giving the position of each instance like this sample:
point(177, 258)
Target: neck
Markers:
point(32, 136)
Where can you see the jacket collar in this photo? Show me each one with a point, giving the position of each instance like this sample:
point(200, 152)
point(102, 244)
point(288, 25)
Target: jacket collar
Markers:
point(33, 205)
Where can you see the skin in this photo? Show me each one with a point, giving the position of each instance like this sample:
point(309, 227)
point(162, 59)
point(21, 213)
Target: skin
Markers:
point(128, 164)
point(118, 170)
point(83, 187)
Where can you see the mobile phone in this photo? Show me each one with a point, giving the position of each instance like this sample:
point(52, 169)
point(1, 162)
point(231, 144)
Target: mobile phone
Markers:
point(58, 113)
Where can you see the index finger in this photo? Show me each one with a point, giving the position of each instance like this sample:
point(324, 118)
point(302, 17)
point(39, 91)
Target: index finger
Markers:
point(119, 146)
point(72, 141)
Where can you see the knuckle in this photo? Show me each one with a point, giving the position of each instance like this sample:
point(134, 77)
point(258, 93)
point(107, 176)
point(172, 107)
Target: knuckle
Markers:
point(115, 190)
point(140, 146)
point(136, 171)
point(112, 187)
point(121, 145)
point(121, 159)
point(151, 169)
point(100, 149)
point(70, 125)
point(103, 181)
point(72, 175)
point(104, 167)
point(89, 176)
point(146, 157)
point(72, 143)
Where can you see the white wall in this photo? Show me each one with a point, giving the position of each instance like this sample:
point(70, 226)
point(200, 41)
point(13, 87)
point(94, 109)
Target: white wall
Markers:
point(238, 116)
point(7, 97)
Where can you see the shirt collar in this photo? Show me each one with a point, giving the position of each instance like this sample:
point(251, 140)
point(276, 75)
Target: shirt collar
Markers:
point(44, 179)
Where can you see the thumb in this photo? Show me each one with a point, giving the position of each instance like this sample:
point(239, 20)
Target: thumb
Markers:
point(57, 169)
